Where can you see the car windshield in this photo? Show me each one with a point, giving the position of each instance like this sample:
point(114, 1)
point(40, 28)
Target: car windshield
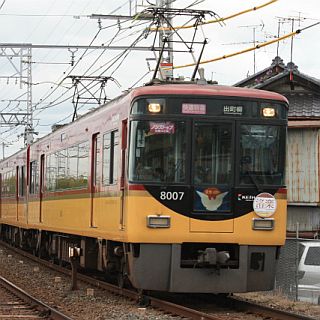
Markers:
point(261, 155)
point(313, 256)
point(157, 151)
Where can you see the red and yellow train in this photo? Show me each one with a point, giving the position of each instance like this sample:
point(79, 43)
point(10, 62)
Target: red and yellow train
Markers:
point(175, 187)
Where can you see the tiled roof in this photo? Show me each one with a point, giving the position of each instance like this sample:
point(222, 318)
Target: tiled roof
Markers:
point(276, 62)
point(302, 91)
point(303, 105)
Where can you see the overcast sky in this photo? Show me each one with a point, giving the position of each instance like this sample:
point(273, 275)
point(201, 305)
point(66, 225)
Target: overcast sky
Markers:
point(67, 23)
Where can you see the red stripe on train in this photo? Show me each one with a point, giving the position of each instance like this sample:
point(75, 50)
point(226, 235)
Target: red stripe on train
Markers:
point(282, 191)
point(136, 187)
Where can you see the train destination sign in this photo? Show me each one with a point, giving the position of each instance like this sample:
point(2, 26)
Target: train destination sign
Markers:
point(162, 127)
point(233, 109)
point(194, 108)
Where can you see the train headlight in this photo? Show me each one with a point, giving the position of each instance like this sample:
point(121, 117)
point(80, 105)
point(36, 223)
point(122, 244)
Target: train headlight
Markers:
point(262, 224)
point(154, 221)
point(269, 112)
point(154, 107)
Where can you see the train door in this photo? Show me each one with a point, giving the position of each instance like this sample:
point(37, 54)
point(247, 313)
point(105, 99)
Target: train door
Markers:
point(95, 179)
point(212, 175)
point(41, 188)
point(123, 171)
point(21, 191)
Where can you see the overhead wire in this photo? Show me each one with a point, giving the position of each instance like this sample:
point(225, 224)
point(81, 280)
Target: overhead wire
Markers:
point(124, 54)
point(258, 46)
point(54, 102)
point(48, 94)
point(219, 20)
point(2, 4)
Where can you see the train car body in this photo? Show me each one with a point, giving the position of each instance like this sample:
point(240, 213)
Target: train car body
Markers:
point(176, 187)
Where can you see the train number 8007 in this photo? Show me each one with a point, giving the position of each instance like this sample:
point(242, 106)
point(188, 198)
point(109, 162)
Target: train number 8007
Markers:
point(171, 195)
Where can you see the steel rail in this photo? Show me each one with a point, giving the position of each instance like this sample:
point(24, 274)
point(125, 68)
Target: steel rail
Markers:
point(50, 312)
point(176, 309)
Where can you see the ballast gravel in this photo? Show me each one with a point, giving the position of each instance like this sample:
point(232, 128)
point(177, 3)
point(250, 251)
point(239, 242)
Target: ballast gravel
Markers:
point(44, 284)
point(54, 289)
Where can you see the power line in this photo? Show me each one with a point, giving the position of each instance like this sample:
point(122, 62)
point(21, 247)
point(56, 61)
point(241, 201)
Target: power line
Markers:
point(258, 46)
point(2, 4)
point(218, 20)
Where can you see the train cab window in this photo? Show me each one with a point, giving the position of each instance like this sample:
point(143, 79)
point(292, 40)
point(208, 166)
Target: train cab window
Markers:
point(212, 155)
point(110, 157)
point(261, 154)
point(34, 177)
point(157, 151)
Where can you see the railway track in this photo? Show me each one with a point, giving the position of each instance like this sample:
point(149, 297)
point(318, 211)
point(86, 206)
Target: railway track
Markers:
point(18, 304)
point(174, 306)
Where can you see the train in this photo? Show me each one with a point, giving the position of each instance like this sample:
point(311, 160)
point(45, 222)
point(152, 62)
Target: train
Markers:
point(175, 187)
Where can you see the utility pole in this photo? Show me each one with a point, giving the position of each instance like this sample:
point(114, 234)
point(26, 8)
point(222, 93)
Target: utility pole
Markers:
point(166, 34)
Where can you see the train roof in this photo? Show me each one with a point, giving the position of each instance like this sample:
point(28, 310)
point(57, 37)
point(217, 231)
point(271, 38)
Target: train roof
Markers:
point(207, 90)
point(190, 89)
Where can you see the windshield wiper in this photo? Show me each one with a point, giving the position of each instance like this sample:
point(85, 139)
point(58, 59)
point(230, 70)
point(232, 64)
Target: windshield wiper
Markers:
point(255, 182)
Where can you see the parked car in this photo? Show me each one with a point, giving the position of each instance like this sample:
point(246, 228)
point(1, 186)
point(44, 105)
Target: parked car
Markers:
point(309, 272)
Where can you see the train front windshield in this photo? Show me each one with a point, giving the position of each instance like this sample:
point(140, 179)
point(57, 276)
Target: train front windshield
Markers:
point(208, 151)
point(158, 151)
point(261, 154)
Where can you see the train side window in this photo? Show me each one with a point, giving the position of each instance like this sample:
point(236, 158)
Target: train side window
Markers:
point(3, 184)
point(10, 183)
point(22, 181)
point(51, 172)
point(34, 177)
point(83, 165)
point(115, 155)
point(110, 157)
point(62, 181)
point(68, 168)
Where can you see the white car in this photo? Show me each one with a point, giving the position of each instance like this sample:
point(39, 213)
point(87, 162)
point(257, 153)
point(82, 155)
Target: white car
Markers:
point(309, 272)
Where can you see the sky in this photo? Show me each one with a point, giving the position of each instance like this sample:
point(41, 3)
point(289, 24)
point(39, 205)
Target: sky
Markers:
point(58, 22)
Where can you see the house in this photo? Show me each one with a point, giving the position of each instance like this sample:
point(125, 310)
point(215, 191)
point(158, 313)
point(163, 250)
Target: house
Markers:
point(303, 141)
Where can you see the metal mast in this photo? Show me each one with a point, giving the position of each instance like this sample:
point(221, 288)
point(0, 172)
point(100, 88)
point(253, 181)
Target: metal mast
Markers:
point(166, 34)
point(20, 61)
point(28, 137)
